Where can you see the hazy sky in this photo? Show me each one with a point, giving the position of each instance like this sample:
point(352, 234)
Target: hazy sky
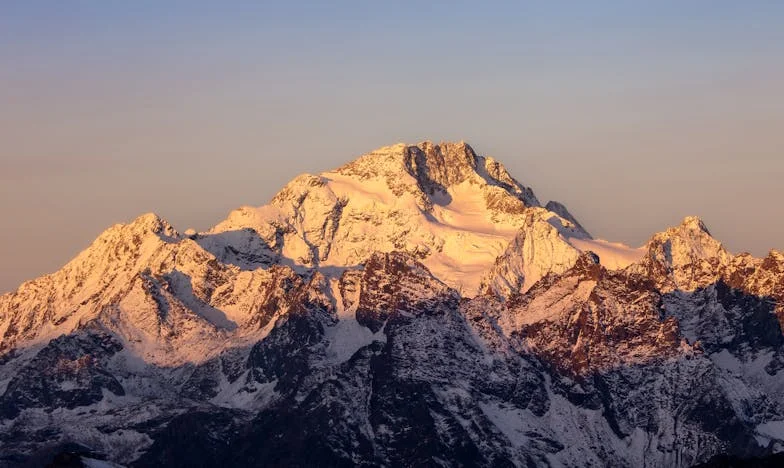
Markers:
point(632, 113)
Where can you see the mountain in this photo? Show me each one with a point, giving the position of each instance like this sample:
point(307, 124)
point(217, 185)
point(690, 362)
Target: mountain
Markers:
point(417, 306)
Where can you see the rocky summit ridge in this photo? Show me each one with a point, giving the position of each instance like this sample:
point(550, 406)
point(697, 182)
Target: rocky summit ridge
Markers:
point(417, 306)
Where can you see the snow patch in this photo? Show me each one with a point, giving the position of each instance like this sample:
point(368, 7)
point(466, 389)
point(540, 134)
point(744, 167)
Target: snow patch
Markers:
point(771, 430)
point(347, 336)
point(95, 463)
point(612, 255)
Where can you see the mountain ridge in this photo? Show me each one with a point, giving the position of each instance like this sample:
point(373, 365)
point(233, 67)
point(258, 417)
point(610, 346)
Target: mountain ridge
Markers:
point(422, 301)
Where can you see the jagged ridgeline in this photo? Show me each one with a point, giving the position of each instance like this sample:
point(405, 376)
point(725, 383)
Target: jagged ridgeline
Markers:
point(418, 306)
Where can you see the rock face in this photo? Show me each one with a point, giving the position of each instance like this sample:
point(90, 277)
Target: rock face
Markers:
point(69, 372)
point(417, 306)
point(590, 319)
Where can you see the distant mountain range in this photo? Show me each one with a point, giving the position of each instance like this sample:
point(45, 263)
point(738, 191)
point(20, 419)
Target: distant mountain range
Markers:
point(416, 307)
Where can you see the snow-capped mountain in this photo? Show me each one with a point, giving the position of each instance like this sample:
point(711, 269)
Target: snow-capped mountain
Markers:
point(417, 306)
point(442, 204)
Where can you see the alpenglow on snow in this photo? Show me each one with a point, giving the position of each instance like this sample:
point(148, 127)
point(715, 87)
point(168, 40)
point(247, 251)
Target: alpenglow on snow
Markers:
point(418, 306)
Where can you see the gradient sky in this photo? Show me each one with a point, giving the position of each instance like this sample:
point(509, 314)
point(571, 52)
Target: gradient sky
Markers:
point(632, 113)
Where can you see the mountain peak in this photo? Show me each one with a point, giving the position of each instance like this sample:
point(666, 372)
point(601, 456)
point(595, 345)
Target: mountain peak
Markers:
point(440, 166)
point(419, 159)
point(694, 223)
point(685, 257)
point(453, 210)
point(151, 222)
point(561, 210)
point(434, 168)
point(774, 260)
point(692, 229)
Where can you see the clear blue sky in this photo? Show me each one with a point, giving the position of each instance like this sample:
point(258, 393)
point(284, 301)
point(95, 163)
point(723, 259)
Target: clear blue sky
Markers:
point(633, 113)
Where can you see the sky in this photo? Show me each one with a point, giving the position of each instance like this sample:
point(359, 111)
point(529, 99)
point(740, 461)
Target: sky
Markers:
point(632, 113)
